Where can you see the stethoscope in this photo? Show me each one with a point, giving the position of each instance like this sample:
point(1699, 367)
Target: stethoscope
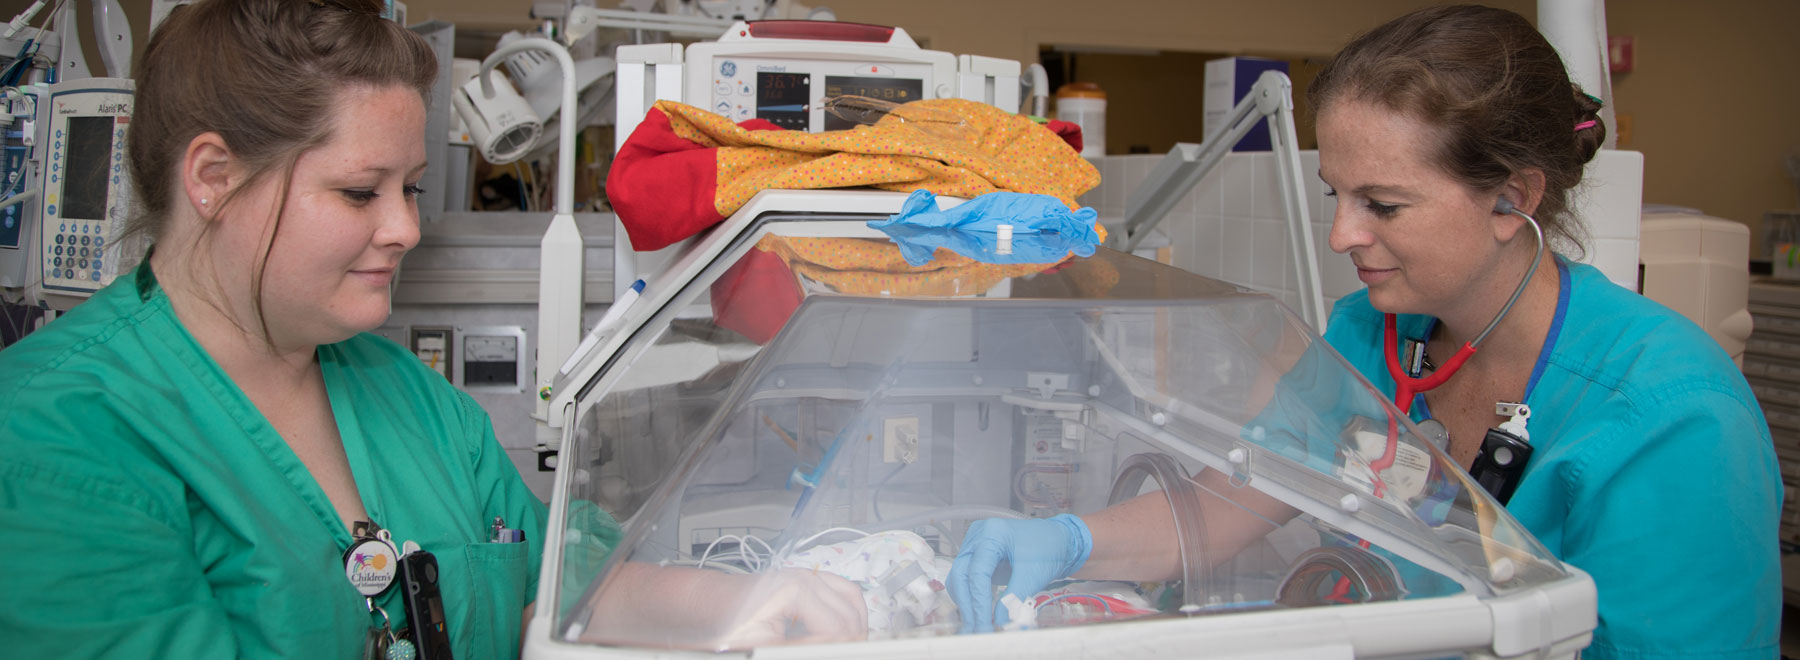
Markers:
point(1507, 447)
point(1408, 385)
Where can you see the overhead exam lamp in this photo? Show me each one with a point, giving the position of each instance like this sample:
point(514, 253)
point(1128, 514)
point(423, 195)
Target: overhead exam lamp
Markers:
point(501, 123)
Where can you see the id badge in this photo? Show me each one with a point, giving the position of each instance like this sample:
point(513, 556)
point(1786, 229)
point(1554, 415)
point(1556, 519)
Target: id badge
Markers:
point(371, 563)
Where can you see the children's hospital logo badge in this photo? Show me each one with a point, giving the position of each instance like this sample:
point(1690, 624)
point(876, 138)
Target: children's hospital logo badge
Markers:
point(370, 565)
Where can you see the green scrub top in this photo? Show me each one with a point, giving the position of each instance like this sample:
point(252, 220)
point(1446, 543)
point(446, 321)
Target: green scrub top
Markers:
point(1653, 469)
point(150, 511)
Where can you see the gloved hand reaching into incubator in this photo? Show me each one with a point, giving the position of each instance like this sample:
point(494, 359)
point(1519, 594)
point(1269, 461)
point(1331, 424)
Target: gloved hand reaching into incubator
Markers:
point(1039, 552)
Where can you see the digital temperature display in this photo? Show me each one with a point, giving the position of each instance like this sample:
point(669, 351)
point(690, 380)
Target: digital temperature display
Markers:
point(781, 98)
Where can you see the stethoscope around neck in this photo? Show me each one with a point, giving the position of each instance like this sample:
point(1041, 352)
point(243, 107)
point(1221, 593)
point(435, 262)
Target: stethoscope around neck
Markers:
point(1406, 386)
point(1504, 452)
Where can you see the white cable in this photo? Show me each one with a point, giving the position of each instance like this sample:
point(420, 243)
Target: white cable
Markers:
point(802, 544)
point(710, 546)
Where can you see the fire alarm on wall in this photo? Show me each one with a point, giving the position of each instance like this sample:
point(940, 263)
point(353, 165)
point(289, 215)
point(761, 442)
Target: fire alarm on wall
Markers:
point(1619, 55)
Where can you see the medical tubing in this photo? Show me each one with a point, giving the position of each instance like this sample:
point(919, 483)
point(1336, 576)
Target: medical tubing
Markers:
point(1184, 509)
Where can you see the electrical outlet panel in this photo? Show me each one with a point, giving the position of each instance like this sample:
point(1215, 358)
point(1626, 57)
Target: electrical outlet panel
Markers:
point(432, 346)
point(900, 440)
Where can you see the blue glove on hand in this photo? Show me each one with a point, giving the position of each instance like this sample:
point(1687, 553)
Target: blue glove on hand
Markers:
point(1040, 551)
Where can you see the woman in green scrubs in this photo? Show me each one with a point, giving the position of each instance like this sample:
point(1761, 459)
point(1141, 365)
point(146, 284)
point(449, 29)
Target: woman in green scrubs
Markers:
point(185, 456)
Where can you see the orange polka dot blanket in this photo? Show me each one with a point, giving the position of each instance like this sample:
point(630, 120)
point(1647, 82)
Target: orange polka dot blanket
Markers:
point(685, 169)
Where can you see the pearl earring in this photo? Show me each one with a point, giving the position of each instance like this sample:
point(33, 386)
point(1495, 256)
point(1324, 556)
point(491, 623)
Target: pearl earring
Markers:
point(203, 201)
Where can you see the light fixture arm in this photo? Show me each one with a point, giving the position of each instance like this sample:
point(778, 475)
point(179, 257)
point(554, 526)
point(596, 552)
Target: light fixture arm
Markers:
point(560, 267)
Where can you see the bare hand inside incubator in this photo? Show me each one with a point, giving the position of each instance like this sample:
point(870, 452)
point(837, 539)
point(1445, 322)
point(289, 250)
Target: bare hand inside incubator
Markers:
point(723, 611)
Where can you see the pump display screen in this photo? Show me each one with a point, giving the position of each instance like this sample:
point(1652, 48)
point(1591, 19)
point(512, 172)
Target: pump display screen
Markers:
point(84, 180)
point(896, 90)
point(781, 98)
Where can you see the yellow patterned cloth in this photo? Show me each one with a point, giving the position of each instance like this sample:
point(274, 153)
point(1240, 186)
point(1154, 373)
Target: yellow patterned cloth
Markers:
point(989, 150)
point(866, 266)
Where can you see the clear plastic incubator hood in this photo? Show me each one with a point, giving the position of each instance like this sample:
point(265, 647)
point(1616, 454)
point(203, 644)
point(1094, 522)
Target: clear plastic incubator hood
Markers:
point(785, 398)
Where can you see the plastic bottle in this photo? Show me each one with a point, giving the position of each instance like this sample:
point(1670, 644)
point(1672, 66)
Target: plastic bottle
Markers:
point(1084, 104)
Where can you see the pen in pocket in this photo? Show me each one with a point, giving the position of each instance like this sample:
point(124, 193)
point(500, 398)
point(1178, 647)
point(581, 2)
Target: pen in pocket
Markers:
point(499, 533)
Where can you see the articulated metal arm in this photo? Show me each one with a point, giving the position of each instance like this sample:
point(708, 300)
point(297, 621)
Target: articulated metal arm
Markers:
point(1187, 164)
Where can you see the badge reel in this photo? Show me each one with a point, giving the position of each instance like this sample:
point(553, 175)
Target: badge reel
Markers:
point(1504, 452)
point(371, 564)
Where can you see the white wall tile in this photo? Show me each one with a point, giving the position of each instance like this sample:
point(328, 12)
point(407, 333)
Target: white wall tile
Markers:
point(1237, 183)
point(1112, 182)
point(1182, 235)
point(1270, 261)
point(1237, 240)
point(1265, 188)
point(1209, 242)
point(1137, 168)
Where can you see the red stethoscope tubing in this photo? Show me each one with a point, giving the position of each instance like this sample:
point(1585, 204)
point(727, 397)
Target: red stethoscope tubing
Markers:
point(1405, 387)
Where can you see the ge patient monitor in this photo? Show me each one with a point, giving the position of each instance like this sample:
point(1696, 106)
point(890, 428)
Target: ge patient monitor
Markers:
point(87, 190)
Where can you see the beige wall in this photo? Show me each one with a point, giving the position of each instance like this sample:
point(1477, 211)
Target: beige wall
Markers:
point(1713, 102)
point(1712, 98)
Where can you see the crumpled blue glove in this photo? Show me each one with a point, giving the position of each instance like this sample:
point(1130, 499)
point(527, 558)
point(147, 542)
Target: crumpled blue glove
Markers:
point(1040, 551)
point(1044, 230)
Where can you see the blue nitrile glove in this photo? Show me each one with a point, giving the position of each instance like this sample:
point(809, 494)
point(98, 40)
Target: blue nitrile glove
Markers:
point(1044, 230)
point(1040, 551)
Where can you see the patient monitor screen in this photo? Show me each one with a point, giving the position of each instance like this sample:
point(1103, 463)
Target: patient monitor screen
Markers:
point(84, 184)
point(894, 90)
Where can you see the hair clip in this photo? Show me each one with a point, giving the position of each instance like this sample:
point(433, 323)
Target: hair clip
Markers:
point(1595, 99)
point(1586, 125)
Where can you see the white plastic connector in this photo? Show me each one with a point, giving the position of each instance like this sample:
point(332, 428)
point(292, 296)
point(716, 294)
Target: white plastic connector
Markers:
point(1349, 503)
point(1158, 418)
point(19, 22)
point(1023, 614)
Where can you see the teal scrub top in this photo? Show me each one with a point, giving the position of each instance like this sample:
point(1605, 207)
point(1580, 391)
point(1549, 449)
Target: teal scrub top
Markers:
point(150, 511)
point(1653, 469)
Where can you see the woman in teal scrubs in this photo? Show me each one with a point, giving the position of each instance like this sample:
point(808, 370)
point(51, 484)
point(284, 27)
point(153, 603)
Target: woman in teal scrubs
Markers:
point(1653, 468)
point(185, 456)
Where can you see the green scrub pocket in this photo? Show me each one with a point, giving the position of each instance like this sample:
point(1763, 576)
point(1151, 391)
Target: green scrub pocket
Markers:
point(494, 600)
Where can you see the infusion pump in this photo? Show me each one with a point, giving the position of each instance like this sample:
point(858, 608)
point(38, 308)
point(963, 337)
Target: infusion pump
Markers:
point(86, 198)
